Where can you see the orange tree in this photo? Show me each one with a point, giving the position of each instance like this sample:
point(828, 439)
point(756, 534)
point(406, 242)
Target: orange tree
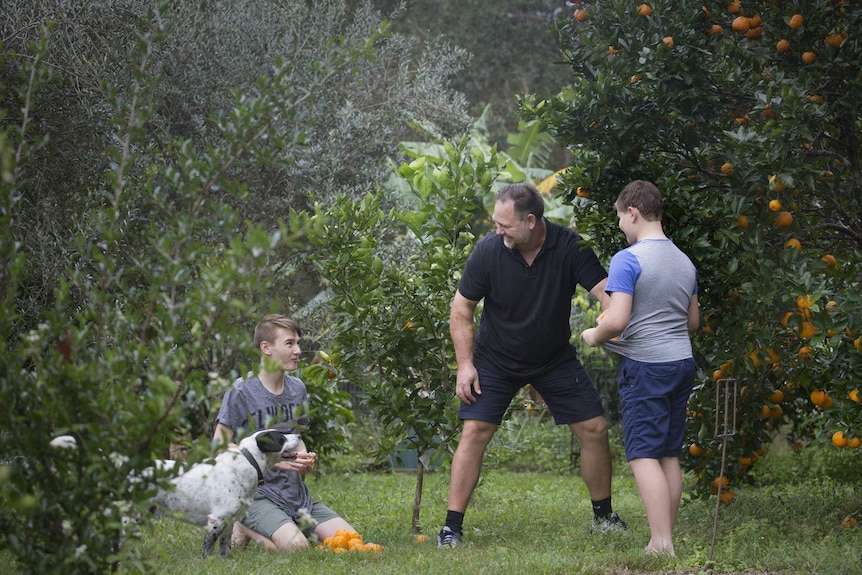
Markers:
point(746, 115)
point(391, 275)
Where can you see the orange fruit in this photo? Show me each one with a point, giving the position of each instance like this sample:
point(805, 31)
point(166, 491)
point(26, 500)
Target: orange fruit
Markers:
point(809, 57)
point(765, 412)
point(829, 260)
point(734, 7)
point(776, 184)
point(777, 396)
point(773, 357)
point(839, 439)
point(857, 343)
point(727, 169)
point(582, 192)
point(807, 330)
point(815, 98)
point(720, 479)
point(854, 396)
point(752, 357)
point(718, 374)
point(354, 544)
point(668, 41)
point(784, 219)
point(775, 412)
point(727, 496)
point(804, 352)
point(854, 443)
point(580, 15)
point(644, 10)
point(783, 45)
point(696, 450)
point(793, 243)
point(421, 538)
point(849, 522)
point(754, 20)
point(818, 397)
point(785, 319)
point(754, 32)
point(834, 40)
point(796, 21)
point(774, 205)
point(727, 366)
point(746, 461)
point(742, 221)
point(740, 24)
point(634, 79)
point(715, 30)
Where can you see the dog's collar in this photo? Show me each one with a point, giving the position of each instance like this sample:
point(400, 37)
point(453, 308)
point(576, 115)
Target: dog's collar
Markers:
point(260, 479)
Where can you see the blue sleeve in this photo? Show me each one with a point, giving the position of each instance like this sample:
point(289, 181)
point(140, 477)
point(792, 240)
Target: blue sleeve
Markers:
point(623, 273)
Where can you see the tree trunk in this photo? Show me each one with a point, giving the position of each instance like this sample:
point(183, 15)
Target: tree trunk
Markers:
point(417, 495)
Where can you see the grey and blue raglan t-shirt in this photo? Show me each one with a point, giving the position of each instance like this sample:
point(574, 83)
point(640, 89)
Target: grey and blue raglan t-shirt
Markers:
point(661, 280)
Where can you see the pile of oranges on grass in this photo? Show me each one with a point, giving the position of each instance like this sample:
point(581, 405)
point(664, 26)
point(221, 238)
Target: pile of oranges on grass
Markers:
point(344, 541)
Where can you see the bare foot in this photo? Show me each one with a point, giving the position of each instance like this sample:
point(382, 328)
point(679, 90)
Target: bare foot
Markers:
point(660, 551)
point(240, 535)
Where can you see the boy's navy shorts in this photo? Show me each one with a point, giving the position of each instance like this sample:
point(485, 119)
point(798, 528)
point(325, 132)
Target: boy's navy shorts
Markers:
point(567, 390)
point(654, 398)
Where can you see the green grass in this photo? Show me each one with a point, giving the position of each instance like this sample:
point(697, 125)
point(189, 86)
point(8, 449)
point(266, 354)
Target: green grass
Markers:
point(531, 514)
point(538, 523)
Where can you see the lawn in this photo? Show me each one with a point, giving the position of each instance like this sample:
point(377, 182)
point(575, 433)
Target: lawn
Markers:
point(538, 523)
point(531, 514)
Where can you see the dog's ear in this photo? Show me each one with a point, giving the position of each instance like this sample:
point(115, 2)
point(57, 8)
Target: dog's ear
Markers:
point(270, 441)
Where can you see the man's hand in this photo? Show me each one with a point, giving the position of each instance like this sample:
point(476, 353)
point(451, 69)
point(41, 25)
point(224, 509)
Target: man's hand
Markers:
point(467, 384)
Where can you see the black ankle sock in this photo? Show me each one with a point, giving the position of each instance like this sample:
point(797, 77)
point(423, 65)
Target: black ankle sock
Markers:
point(454, 520)
point(602, 508)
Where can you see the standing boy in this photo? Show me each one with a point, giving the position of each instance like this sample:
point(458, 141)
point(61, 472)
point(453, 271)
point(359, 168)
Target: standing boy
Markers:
point(653, 309)
point(266, 400)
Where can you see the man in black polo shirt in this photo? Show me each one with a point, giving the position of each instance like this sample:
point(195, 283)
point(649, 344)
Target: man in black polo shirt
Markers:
point(527, 274)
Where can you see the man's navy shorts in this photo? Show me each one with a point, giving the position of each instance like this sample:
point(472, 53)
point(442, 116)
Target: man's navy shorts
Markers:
point(654, 398)
point(567, 390)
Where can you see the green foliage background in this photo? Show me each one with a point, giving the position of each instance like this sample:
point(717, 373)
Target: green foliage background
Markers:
point(168, 172)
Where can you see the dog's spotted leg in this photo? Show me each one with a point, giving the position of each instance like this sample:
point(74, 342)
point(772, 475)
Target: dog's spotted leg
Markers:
point(214, 528)
point(225, 541)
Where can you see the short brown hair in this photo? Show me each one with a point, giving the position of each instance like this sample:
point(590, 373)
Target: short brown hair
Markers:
point(644, 196)
point(526, 198)
point(269, 325)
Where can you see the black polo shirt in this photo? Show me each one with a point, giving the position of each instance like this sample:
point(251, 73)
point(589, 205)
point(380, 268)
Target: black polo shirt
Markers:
point(524, 328)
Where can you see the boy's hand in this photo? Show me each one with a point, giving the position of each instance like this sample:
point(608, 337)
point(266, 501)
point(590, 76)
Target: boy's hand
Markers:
point(303, 462)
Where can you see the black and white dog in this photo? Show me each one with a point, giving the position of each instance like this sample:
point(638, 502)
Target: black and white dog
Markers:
point(214, 495)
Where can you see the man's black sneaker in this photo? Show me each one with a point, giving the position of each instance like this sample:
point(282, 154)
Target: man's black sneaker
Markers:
point(610, 524)
point(448, 538)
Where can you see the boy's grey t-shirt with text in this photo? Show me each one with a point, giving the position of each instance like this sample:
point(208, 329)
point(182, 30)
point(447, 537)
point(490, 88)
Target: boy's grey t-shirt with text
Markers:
point(248, 407)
